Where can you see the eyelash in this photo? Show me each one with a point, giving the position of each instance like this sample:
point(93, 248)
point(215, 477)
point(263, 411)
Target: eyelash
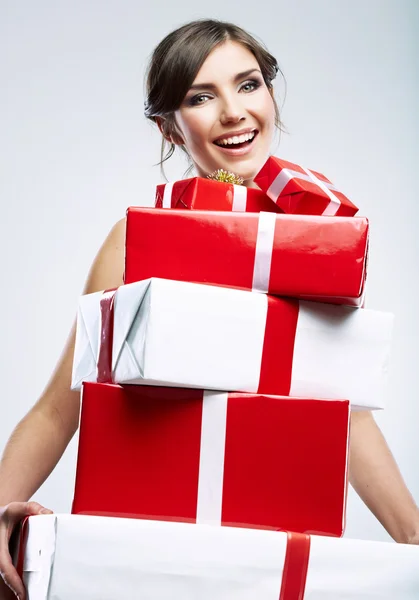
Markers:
point(254, 82)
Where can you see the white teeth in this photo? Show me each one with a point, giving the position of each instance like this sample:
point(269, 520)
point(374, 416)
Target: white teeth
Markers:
point(237, 139)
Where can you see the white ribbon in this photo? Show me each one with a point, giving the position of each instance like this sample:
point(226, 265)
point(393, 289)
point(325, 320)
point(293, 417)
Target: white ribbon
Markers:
point(167, 195)
point(332, 208)
point(264, 249)
point(211, 460)
point(285, 175)
point(239, 198)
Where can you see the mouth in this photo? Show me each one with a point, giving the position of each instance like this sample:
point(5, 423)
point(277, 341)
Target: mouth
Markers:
point(237, 144)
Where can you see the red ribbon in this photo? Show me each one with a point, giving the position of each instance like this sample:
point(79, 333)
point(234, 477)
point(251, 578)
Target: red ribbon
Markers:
point(104, 363)
point(278, 354)
point(295, 567)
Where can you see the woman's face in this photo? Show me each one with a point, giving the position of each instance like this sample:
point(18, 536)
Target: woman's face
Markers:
point(227, 118)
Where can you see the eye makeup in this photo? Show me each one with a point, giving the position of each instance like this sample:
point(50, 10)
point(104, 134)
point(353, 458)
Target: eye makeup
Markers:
point(195, 100)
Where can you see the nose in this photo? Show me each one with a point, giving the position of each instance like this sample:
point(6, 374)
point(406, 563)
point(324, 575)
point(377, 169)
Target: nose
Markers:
point(232, 110)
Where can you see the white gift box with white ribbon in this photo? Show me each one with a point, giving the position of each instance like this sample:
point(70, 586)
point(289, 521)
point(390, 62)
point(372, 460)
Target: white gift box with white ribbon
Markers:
point(191, 335)
point(70, 557)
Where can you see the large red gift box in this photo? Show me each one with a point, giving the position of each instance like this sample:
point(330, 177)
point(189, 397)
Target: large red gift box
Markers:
point(297, 190)
point(216, 458)
point(206, 194)
point(315, 258)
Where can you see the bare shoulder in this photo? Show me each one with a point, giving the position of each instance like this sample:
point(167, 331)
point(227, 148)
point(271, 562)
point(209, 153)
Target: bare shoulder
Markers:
point(117, 233)
point(107, 270)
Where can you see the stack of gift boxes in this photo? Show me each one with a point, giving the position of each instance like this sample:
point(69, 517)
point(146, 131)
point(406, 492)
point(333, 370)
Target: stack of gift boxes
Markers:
point(233, 400)
point(217, 382)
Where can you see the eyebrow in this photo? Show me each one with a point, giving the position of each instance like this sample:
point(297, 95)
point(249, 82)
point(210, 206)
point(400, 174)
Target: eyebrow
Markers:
point(212, 86)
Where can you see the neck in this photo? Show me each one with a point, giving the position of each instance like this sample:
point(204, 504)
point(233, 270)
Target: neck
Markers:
point(249, 183)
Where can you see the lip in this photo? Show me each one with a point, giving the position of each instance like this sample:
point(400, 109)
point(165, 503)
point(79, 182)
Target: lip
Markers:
point(238, 151)
point(233, 133)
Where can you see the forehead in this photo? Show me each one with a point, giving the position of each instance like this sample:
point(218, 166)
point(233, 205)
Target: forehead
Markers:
point(225, 61)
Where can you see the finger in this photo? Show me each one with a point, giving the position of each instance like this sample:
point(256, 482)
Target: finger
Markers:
point(8, 572)
point(15, 511)
point(35, 508)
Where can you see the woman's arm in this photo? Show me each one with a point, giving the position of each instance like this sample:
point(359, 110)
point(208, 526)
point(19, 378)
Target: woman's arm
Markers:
point(39, 440)
point(375, 476)
point(41, 437)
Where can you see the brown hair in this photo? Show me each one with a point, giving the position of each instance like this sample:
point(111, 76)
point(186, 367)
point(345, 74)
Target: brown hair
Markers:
point(176, 61)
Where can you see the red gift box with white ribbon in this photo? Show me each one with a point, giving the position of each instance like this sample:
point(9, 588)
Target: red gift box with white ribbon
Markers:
point(299, 256)
point(297, 190)
point(172, 333)
point(206, 194)
point(213, 458)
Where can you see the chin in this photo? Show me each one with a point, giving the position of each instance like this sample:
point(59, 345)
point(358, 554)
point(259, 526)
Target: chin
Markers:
point(247, 169)
point(250, 168)
point(248, 172)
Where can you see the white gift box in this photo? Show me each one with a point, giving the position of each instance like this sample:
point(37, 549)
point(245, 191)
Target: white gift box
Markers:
point(181, 334)
point(70, 557)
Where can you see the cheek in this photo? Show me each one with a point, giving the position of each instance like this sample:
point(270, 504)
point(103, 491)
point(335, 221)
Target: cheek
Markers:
point(264, 110)
point(196, 127)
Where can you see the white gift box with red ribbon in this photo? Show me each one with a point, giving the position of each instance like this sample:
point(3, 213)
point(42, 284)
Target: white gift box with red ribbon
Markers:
point(103, 558)
point(162, 332)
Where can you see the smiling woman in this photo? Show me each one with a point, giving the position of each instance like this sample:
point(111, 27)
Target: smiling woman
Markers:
point(229, 123)
point(210, 92)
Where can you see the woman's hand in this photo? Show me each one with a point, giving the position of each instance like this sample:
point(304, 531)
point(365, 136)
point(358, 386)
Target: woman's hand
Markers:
point(414, 539)
point(10, 516)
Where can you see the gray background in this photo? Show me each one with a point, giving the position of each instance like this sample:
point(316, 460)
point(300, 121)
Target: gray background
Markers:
point(75, 151)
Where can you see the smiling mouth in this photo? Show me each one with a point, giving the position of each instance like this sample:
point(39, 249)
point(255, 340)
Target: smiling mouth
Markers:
point(237, 142)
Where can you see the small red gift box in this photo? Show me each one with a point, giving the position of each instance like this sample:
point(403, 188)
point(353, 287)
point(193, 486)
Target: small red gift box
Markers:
point(299, 256)
point(235, 459)
point(206, 194)
point(297, 190)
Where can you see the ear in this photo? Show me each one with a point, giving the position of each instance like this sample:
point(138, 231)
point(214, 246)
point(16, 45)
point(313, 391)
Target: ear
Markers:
point(161, 124)
point(169, 131)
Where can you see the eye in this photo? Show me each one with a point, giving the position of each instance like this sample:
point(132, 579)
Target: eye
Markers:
point(198, 99)
point(250, 86)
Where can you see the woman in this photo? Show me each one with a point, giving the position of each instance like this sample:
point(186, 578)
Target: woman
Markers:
point(210, 93)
